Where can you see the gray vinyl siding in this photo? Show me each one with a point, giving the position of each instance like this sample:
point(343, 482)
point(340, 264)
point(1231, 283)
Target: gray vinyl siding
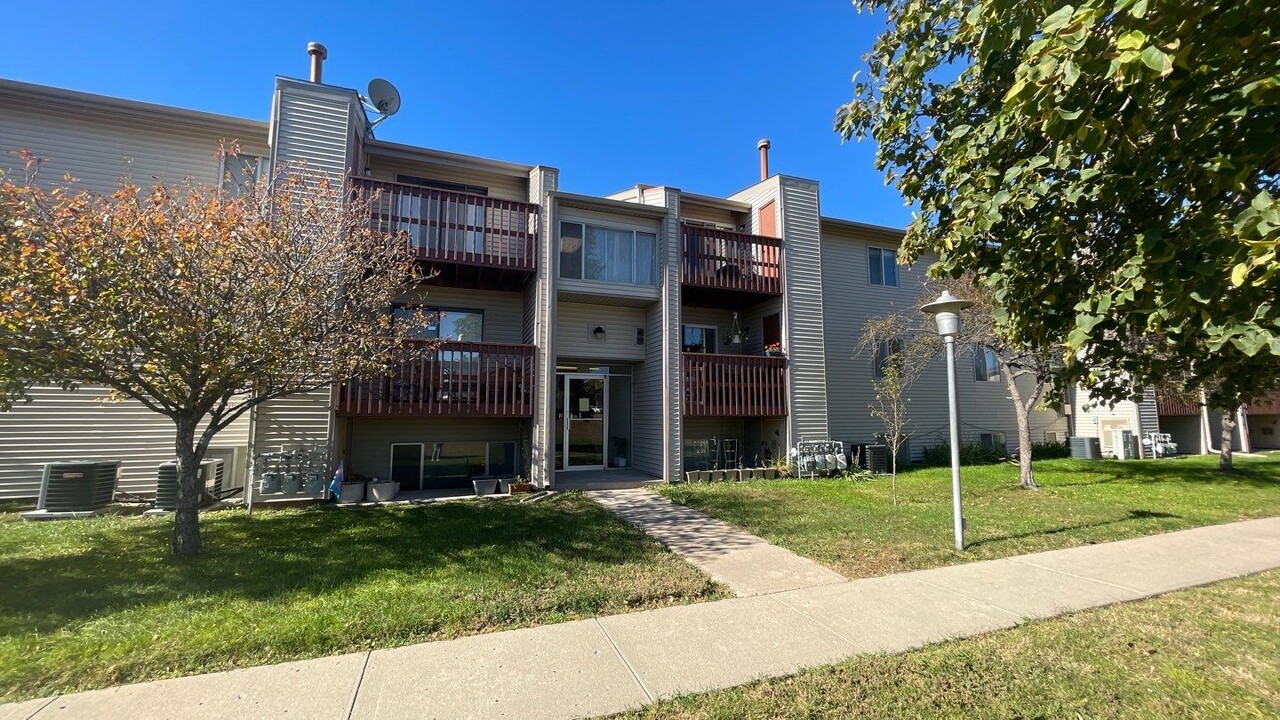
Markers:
point(498, 185)
point(61, 425)
point(503, 311)
point(849, 301)
point(575, 325)
point(312, 126)
point(98, 149)
point(802, 276)
point(646, 413)
point(371, 439)
point(721, 320)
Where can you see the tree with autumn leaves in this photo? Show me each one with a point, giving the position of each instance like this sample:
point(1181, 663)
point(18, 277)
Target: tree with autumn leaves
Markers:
point(199, 302)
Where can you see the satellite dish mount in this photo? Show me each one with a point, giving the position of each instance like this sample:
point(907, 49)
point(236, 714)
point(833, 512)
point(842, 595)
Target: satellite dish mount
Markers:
point(383, 99)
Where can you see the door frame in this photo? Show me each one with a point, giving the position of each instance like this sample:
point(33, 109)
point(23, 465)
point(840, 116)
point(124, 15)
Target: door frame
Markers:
point(604, 432)
point(422, 460)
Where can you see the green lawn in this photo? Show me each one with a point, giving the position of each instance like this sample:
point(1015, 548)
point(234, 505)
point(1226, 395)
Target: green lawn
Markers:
point(1207, 652)
point(98, 602)
point(851, 526)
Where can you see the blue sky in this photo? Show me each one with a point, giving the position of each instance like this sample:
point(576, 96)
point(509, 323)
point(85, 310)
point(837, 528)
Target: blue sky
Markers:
point(612, 93)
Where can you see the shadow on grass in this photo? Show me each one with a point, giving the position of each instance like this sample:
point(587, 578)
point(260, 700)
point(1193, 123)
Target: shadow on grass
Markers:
point(92, 569)
point(1132, 516)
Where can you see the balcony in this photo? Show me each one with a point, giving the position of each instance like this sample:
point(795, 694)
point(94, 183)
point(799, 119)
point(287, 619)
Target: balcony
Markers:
point(458, 379)
point(722, 266)
point(469, 240)
point(1176, 404)
point(734, 385)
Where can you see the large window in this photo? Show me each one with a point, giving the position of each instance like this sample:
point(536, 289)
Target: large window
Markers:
point(885, 354)
point(985, 366)
point(698, 339)
point(882, 264)
point(588, 252)
point(454, 324)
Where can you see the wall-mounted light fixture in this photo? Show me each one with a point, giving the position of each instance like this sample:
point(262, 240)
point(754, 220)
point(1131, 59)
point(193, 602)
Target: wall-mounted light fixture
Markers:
point(598, 334)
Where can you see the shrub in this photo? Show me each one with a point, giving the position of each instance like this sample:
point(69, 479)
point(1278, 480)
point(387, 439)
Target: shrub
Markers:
point(970, 454)
point(1050, 450)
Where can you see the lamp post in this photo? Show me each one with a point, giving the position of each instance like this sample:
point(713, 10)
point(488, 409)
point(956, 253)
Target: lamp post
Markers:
point(946, 312)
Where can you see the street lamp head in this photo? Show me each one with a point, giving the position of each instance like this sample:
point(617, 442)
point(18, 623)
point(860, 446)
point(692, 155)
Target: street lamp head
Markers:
point(945, 311)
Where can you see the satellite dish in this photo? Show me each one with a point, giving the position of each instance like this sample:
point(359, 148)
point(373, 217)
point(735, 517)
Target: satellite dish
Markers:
point(384, 97)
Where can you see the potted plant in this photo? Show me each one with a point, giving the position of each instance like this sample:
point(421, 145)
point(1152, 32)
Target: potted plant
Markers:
point(774, 350)
point(620, 454)
point(383, 490)
point(351, 490)
point(484, 486)
point(520, 486)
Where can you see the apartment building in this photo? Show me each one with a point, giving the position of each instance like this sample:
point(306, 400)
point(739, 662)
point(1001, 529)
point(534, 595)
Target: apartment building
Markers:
point(584, 340)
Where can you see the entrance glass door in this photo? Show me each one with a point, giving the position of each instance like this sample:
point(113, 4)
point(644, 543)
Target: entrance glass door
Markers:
point(584, 421)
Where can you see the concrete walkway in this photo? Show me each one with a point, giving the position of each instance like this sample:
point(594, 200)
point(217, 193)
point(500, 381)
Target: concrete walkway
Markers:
point(611, 664)
point(749, 565)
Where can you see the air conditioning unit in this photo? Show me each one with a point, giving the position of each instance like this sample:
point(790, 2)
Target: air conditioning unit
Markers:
point(877, 459)
point(78, 486)
point(1085, 448)
point(209, 475)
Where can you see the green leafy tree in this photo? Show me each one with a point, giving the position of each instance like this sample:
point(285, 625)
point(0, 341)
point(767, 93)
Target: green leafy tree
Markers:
point(198, 303)
point(1108, 169)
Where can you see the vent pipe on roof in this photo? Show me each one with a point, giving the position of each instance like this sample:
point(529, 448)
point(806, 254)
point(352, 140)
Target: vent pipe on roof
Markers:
point(318, 54)
point(763, 146)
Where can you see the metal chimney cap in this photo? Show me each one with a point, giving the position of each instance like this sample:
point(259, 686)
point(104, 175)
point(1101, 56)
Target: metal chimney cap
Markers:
point(315, 48)
point(764, 144)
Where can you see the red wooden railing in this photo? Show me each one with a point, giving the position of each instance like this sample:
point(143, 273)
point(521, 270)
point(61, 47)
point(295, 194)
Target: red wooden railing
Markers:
point(730, 260)
point(1175, 404)
point(1171, 404)
point(457, 227)
point(734, 385)
point(457, 379)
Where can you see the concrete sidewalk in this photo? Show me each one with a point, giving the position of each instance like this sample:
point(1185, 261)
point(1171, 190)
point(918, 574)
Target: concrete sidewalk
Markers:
point(611, 664)
point(749, 565)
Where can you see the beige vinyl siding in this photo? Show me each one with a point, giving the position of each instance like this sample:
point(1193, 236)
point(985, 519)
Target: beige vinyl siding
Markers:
point(498, 185)
point(657, 421)
point(702, 213)
point(802, 258)
point(540, 308)
point(312, 127)
point(371, 438)
point(294, 421)
point(576, 322)
point(849, 301)
point(503, 311)
point(61, 425)
point(1091, 416)
point(98, 149)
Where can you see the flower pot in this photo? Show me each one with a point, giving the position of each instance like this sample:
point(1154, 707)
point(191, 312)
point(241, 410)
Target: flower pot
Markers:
point(292, 484)
point(350, 493)
point(749, 473)
point(383, 491)
point(485, 487)
point(717, 475)
point(771, 473)
point(732, 475)
point(521, 488)
point(691, 476)
point(314, 484)
point(270, 484)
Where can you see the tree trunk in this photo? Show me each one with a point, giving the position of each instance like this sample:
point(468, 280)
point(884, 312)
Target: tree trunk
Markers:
point(893, 473)
point(1022, 411)
point(1026, 473)
point(186, 519)
point(1228, 431)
